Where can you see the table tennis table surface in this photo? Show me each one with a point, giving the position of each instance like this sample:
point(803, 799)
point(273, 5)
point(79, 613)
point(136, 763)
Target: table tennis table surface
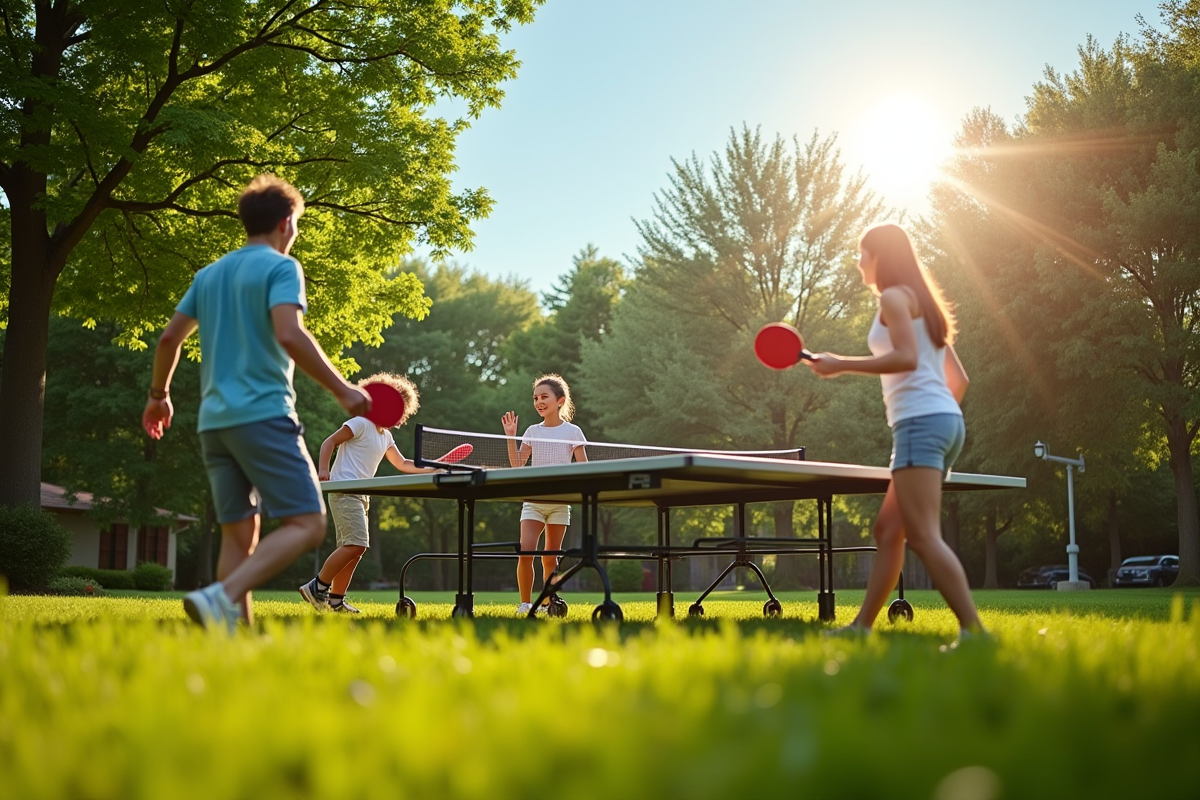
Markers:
point(685, 479)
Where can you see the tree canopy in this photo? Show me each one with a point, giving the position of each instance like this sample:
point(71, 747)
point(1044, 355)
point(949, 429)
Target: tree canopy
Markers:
point(127, 129)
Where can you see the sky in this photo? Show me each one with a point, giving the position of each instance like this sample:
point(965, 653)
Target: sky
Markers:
point(610, 91)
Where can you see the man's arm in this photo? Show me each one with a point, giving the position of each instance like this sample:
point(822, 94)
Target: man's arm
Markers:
point(156, 417)
point(308, 355)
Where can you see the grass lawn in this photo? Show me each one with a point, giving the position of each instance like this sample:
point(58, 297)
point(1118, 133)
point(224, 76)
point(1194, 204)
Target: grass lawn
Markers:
point(1079, 695)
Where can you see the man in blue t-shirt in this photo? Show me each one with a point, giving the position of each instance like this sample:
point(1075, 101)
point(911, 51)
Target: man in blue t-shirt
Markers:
point(248, 307)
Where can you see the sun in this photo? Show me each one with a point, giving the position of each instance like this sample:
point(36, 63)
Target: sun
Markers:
point(901, 145)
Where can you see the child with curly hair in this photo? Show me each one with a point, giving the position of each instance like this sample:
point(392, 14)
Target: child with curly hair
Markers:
point(361, 445)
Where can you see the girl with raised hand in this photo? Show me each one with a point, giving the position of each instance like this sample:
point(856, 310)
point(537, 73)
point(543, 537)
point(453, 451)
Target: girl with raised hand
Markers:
point(554, 440)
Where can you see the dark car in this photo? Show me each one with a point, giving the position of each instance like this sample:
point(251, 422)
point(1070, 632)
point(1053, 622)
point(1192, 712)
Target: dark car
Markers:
point(1047, 577)
point(1147, 571)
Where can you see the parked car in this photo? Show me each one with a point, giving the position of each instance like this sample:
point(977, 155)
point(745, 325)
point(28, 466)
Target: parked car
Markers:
point(1147, 571)
point(1047, 577)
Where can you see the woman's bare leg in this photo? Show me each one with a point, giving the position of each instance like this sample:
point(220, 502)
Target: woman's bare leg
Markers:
point(888, 563)
point(919, 490)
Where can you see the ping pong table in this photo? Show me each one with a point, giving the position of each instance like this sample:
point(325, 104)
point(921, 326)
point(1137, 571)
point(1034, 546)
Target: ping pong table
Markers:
point(662, 482)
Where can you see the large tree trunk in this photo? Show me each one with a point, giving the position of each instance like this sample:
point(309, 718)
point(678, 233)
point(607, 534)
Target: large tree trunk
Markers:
point(1114, 532)
point(204, 563)
point(952, 526)
point(23, 382)
point(1179, 443)
point(991, 535)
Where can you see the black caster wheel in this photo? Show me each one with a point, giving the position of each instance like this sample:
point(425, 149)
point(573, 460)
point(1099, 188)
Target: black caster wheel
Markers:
point(406, 608)
point(898, 609)
point(607, 612)
point(695, 610)
point(462, 613)
point(558, 607)
point(772, 608)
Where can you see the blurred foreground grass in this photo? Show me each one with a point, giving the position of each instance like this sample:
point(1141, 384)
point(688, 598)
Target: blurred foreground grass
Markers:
point(121, 698)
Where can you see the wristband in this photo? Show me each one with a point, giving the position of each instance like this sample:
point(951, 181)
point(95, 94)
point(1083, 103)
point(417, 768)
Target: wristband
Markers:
point(158, 394)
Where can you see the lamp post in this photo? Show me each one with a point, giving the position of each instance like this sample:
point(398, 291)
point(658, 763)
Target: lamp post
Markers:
point(1042, 451)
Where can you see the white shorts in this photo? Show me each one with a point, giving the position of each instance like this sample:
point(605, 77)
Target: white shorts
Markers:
point(546, 513)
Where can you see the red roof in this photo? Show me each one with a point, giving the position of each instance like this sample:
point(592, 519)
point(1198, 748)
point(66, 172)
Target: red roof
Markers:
point(55, 498)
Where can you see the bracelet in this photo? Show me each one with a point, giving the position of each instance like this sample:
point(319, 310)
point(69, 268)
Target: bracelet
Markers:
point(158, 394)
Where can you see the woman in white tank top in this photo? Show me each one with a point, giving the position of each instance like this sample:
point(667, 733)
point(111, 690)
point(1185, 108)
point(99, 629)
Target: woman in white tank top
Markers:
point(923, 384)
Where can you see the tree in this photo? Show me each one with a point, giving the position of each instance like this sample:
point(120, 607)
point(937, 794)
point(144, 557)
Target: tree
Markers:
point(581, 305)
point(1102, 179)
point(128, 127)
point(1030, 380)
point(764, 232)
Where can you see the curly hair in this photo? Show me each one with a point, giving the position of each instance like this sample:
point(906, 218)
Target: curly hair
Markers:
point(406, 388)
point(560, 389)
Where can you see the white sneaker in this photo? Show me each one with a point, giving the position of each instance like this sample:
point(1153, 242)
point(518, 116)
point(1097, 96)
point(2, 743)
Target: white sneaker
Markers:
point(210, 607)
point(543, 609)
point(523, 609)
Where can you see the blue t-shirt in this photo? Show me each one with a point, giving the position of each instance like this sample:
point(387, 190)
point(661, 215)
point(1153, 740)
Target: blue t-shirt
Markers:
point(245, 374)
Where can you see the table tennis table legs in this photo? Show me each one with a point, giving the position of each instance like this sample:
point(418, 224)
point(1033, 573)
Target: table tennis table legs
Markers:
point(826, 610)
point(589, 558)
point(464, 601)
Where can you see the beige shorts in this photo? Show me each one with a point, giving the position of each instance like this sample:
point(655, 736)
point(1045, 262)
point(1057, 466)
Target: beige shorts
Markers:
point(546, 513)
point(350, 518)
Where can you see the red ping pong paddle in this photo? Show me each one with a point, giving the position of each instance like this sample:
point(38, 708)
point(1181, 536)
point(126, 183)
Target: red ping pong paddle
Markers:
point(779, 346)
point(387, 404)
point(457, 454)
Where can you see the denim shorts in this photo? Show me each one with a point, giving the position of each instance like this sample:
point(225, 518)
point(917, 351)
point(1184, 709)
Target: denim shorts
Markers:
point(934, 441)
point(266, 460)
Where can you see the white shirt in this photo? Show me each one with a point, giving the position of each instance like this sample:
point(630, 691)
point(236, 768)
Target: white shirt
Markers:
point(360, 457)
point(566, 437)
point(922, 391)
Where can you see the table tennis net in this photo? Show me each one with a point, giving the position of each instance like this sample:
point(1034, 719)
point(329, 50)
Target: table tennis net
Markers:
point(491, 450)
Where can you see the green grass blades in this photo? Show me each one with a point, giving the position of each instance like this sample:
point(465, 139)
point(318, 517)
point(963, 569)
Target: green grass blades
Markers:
point(122, 698)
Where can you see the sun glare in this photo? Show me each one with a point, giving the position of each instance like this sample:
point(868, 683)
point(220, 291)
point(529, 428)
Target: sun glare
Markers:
point(901, 147)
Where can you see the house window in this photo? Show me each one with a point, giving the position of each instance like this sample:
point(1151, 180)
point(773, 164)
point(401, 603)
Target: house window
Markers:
point(152, 544)
point(114, 545)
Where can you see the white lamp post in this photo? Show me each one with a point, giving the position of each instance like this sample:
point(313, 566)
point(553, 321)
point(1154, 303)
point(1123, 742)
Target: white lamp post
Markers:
point(1042, 451)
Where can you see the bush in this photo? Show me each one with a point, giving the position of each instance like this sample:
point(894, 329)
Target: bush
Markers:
point(151, 577)
point(33, 547)
point(75, 586)
point(625, 576)
point(112, 579)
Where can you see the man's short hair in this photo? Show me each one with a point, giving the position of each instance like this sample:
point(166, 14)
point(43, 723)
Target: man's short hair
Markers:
point(266, 202)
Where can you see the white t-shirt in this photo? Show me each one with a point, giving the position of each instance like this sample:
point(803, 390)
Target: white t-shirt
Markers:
point(566, 436)
point(360, 457)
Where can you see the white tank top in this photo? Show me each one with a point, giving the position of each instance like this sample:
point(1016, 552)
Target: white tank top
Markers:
point(920, 392)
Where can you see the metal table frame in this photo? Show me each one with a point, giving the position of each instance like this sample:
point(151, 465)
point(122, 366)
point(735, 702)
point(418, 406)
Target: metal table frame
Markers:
point(662, 482)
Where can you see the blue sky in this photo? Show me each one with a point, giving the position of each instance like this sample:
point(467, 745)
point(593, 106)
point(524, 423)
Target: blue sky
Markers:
point(611, 90)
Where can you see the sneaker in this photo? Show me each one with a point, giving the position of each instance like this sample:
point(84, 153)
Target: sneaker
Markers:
point(523, 609)
point(210, 608)
point(343, 608)
point(315, 595)
point(543, 609)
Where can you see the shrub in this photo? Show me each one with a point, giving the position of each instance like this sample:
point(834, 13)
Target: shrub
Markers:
point(151, 577)
point(112, 579)
point(625, 576)
point(33, 546)
point(75, 586)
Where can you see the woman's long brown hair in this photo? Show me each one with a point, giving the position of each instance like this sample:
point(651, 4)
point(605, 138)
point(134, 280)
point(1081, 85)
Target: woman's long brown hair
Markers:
point(897, 265)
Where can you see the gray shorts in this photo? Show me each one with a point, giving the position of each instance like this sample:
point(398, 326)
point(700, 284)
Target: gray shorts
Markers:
point(266, 460)
point(349, 512)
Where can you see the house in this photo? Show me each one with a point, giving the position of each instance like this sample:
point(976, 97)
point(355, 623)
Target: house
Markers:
point(116, 546)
